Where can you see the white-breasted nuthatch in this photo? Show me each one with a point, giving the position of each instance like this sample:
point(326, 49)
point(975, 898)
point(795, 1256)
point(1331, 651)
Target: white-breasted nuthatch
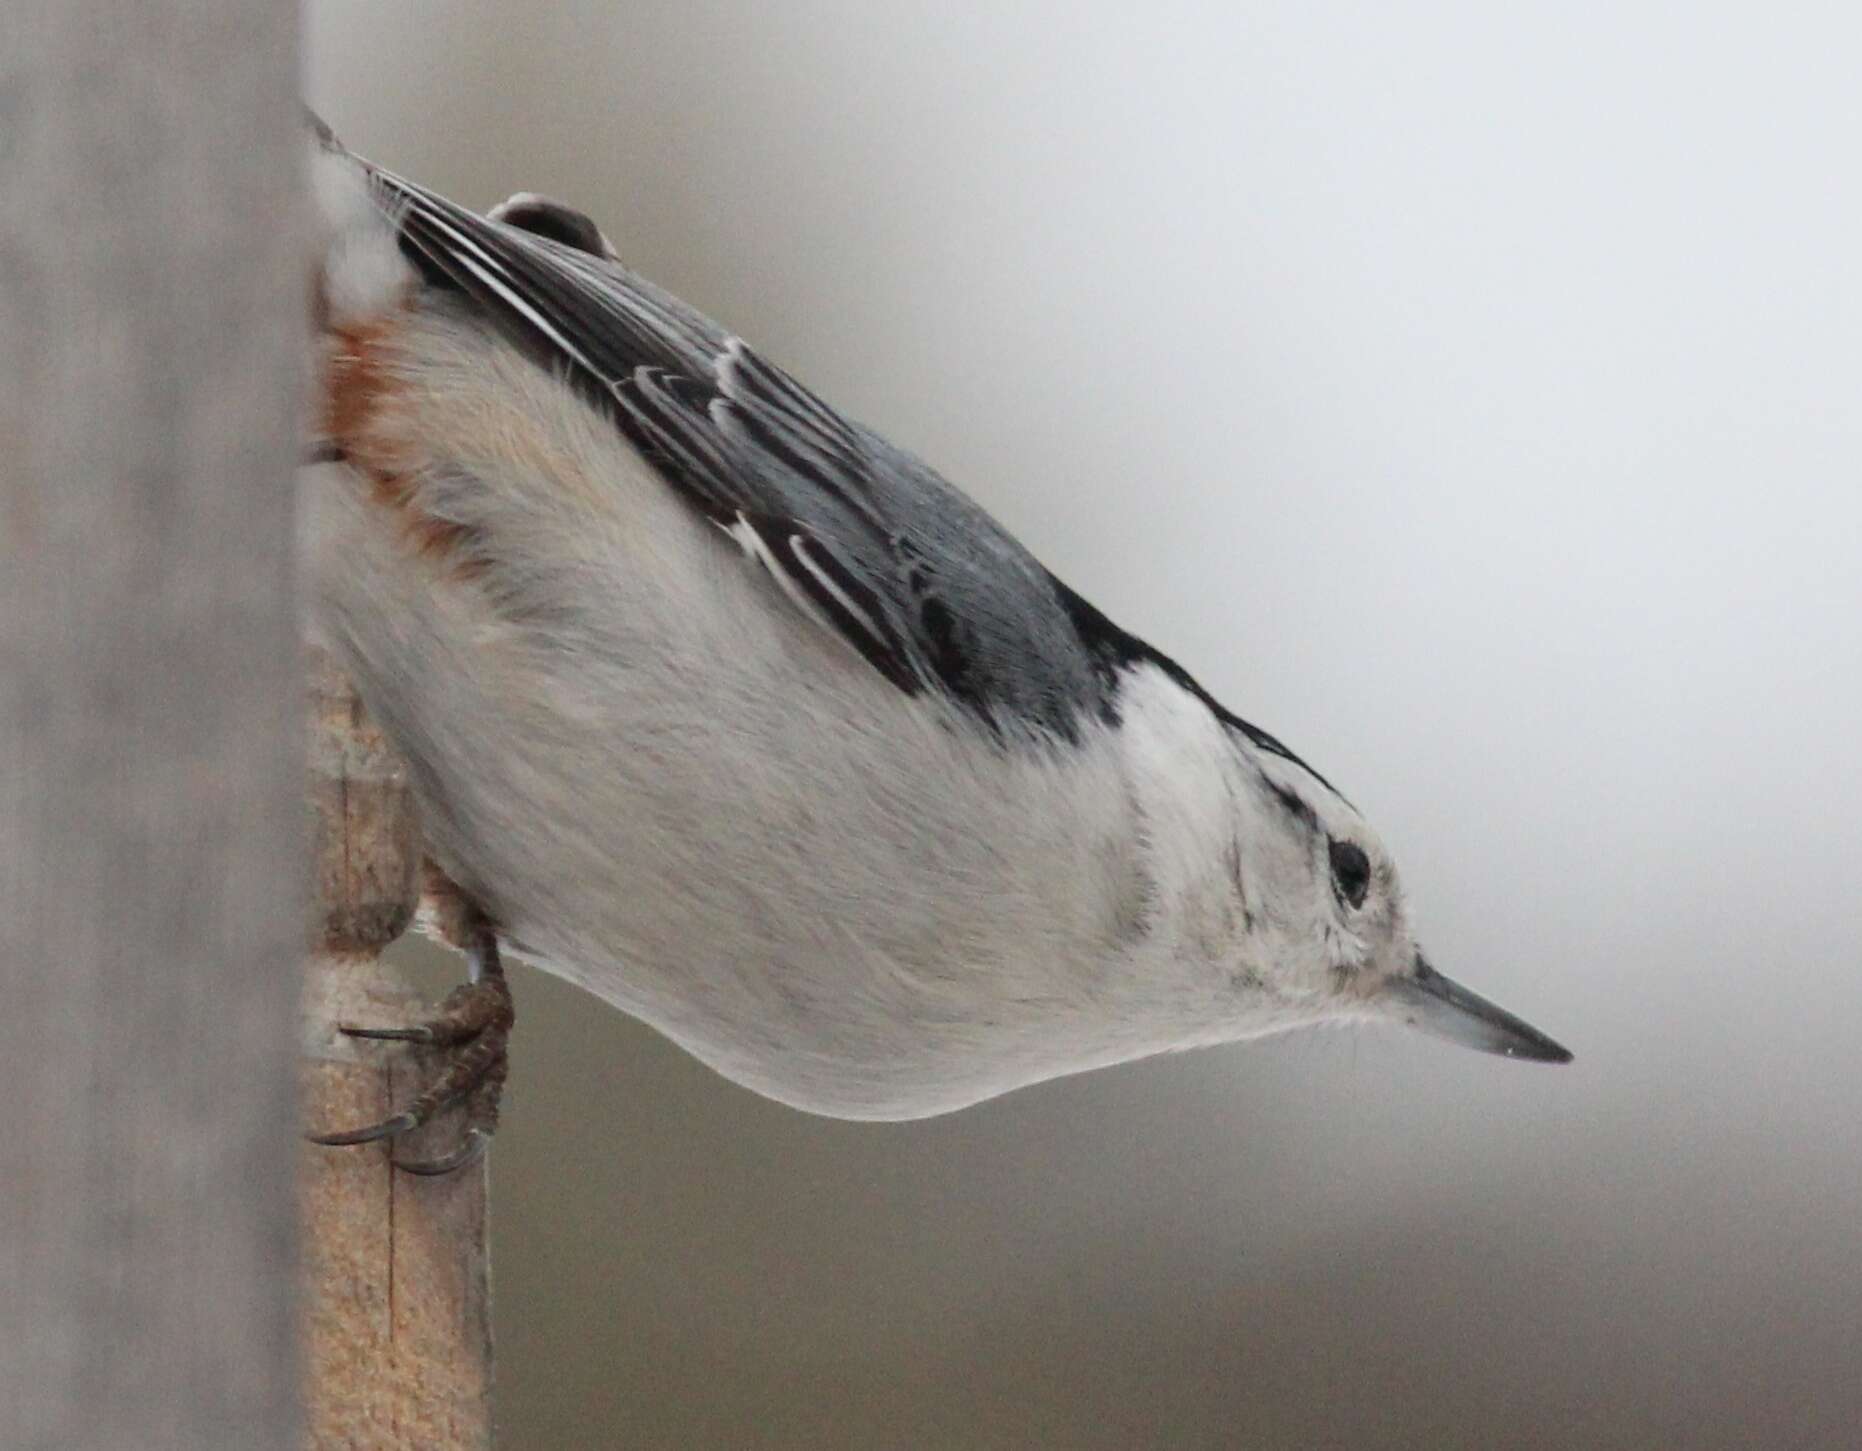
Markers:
point(724, 708)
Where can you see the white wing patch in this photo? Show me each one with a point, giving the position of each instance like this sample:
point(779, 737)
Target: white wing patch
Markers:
point(804, 569)
point(483, 266)
point(802, 548)
point(756, 548)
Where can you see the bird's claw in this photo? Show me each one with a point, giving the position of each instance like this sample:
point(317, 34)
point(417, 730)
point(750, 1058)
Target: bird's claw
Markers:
point(388, 1128)
point(471, 1149)
point(420, 1033)
point(475, 1022)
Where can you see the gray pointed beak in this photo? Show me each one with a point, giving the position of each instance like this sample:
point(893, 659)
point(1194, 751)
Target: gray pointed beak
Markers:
point(1444, 1008)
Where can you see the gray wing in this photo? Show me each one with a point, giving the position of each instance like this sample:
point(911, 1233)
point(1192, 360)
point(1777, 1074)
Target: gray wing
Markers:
point(866, 539)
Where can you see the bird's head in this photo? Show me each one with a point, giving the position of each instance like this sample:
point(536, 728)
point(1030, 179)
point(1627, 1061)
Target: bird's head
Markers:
point(1331, 934)
point(1276, 903)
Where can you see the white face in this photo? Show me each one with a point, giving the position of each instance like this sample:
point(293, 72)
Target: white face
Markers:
point(1282, 906)
point(1330, 926)
point(1339, 945)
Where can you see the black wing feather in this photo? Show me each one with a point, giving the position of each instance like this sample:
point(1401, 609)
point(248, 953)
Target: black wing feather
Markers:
point(661, 377)
point(880, 549)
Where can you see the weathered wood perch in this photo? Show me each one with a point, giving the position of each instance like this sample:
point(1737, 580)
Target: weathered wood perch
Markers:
point(151, 840)
point(396, 1301)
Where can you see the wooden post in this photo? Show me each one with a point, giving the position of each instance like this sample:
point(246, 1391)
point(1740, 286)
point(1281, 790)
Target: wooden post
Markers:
point(397, 1314)
point(152, 290)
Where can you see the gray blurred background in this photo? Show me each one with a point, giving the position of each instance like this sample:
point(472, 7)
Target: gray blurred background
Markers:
point(1467, 393)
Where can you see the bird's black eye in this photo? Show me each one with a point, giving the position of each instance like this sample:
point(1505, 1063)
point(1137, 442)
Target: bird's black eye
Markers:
point(1351, 872)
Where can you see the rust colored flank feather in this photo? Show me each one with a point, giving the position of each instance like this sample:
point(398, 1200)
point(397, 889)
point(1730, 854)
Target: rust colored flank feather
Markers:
point(361, 392)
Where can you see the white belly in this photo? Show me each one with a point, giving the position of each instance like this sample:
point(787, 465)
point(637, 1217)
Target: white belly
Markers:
point(680, 792)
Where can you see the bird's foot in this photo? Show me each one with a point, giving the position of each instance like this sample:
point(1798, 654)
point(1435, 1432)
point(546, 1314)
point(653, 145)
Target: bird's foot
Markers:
point(473, 1026)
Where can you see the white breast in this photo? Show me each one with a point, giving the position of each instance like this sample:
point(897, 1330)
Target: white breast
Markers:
point(675, 789)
